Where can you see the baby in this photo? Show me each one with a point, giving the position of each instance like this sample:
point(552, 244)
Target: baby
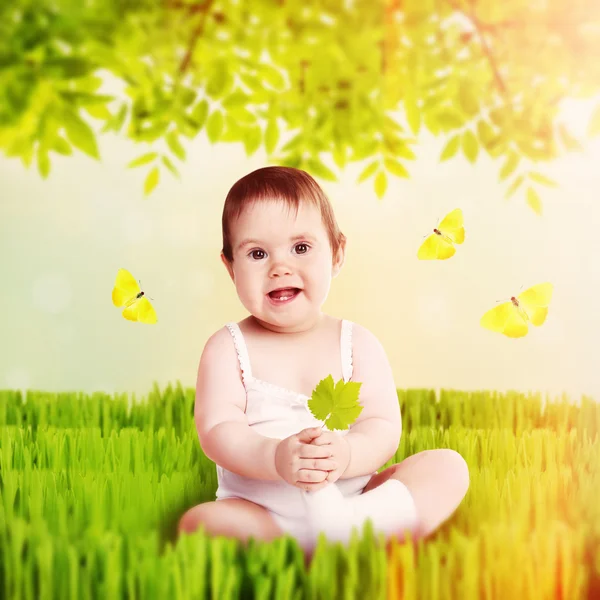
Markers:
point(282, 247)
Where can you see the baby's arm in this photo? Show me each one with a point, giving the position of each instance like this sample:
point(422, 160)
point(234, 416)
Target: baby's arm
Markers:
point(374, 437)
point(223, 430)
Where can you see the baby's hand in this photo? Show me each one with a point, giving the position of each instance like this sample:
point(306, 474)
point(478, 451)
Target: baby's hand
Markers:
point(340, 452)
point(301, 464)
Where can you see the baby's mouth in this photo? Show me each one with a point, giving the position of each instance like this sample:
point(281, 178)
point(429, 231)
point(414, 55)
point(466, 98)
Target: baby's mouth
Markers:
point(284, 293)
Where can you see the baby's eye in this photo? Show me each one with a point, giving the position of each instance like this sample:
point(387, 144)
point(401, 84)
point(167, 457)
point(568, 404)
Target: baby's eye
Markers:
point(253, 252)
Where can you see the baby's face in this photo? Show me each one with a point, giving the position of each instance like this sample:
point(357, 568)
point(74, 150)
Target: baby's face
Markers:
point(267, 257)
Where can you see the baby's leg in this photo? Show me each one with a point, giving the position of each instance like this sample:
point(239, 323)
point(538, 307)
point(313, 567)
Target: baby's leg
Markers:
point(390, 507)
point(231, 517)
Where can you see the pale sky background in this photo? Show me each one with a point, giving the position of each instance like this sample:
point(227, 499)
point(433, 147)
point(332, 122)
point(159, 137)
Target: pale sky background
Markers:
point(63, 240)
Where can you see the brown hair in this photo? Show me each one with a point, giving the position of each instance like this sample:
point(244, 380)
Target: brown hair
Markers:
point(284, 184)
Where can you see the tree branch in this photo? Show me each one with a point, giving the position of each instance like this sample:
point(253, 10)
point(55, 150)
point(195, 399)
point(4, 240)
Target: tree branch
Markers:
point(204, 8)
point(479, 28)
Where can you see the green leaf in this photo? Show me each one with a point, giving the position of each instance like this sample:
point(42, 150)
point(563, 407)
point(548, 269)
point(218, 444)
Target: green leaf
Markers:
point(243, 115)
point(336, 406)
point(67, 67)
point(43, 162)
point(119, 119)
point(451, 148)
point(237, 99)
point(199, 113)
point(219, 80)
point(515, 186)
point(569, 141)
point(381, 183)
point(152, 133)
point(186, 125)
point(339, 156)
point(392, 125)
point(151, 180)
point(252, 140)
point(294, 143)
point(87, 84)
point(512, 162)
point(368, 171)
point(167, 162)
point(395, 167)
point(80, 134)
point(252, 81)
point(398, 147)
point(534, 201)
point(61, 146)
point(449, 120)
point(84, 98)
point(175, 146)
point(321, 170)
point(272, 76)
point(232, 130)
point(499, 116)
point(470, 145)
point(486, 134)
point(413, 114)
point(365, 148)
point(99, 111)
point(467, 99)
point(594, 124)
point(539, 178)
point(142, 160)
point(271, 134)
point(214, 126)
point(293, 160)
point(185, 96)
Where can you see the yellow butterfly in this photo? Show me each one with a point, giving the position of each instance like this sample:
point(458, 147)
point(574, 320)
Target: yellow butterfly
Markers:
point(510, 318)
point(440, 244)
point(127, 293)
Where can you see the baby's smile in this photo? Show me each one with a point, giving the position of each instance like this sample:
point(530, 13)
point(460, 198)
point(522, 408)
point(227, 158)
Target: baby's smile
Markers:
point(283, 295)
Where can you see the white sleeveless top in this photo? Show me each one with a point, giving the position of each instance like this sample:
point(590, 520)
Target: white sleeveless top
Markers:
point(277, 412)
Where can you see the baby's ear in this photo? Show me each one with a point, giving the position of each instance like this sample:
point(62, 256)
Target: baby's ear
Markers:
point(228, 267)
point(339, 263)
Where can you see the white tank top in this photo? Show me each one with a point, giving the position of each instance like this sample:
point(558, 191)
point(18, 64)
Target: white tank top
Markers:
point(277, 412)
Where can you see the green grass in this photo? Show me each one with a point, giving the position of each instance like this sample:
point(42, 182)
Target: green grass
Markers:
point(92, 487)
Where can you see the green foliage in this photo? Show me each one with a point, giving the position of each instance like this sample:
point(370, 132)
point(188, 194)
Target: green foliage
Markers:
point(92, 488)
point(335, 404)
point(334, 78)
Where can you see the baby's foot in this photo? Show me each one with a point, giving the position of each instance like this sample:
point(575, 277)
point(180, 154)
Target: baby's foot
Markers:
point(330, 512)
point(390, 506)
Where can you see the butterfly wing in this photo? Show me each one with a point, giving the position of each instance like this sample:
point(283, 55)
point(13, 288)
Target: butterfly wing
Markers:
point(141, 310)
point(428, 249)
point(445, 249)
point(126, 288)
point(505, 318)
point(535, 301)
point(452, 226)
point(131, 312)
point(146, 314)
point(435, 247)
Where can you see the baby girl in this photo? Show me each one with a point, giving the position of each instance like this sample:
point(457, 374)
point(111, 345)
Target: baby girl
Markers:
point(282, 247)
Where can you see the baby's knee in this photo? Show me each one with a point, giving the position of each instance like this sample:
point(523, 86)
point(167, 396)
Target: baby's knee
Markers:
point(232, 517)
point(191, 520)
point(460, 469)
